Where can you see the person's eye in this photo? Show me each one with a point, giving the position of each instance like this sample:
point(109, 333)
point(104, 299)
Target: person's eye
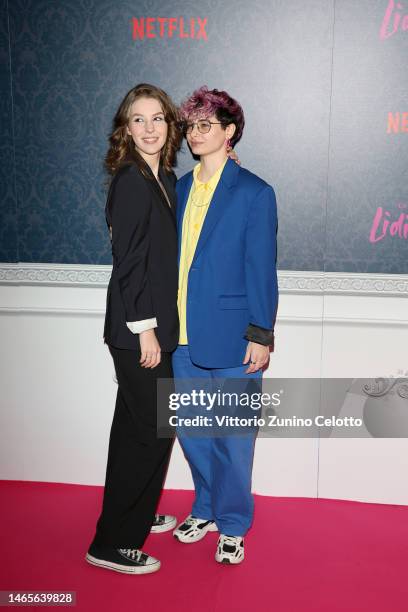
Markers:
point(138, 120)
point(159, 118)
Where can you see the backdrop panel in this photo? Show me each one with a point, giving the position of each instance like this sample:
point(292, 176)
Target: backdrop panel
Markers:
point(73, 61)
point(321, 83)
point(368, 139)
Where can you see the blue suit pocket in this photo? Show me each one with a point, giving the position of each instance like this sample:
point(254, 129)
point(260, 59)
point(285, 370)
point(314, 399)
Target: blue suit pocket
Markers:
point(233, 302)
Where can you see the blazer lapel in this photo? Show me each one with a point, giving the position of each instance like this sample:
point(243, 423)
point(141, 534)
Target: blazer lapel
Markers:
point(155, 187)
point(221, 200)
point(170, 190)
point(181, 203)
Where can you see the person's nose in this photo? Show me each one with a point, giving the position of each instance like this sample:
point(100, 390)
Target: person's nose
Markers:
point(149, 126)
point(194, 130)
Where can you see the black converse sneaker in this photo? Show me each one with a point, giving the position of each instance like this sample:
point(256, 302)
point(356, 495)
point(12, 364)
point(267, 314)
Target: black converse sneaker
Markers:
point(163, 522)
point(126, 560)
point(193, 529)
point(230, 549)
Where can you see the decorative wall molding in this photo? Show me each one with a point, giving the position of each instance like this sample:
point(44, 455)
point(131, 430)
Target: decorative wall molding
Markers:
point(81, 275)
point(341, 282)
point(67, 275)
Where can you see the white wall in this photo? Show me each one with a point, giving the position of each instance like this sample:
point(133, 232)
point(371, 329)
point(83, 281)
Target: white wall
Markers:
point(58, 390)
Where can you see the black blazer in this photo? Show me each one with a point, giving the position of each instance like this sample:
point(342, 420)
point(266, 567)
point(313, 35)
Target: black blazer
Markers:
point(144, 277)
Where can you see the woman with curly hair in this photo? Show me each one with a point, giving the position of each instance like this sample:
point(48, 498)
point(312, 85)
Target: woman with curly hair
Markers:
point(141, 323)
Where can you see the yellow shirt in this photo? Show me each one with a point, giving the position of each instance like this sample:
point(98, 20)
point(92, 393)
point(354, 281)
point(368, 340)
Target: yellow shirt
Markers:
point(197, 205)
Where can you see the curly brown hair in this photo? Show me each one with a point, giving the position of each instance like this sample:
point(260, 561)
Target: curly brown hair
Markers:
point(122, 149)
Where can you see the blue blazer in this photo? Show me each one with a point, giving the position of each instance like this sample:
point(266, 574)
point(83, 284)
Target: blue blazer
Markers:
point(232, 283)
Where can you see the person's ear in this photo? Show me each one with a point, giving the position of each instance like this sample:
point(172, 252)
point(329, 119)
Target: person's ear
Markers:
point(230, 131)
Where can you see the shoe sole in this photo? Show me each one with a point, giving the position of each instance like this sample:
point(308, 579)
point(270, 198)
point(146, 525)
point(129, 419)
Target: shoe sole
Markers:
point(165, 527)
point(227, 561)
point(124, 569)
point(196, 538)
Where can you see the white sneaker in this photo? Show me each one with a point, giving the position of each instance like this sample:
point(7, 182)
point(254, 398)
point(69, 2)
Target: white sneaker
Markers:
point(193, 529)
point(162, 523)
point(230, 549)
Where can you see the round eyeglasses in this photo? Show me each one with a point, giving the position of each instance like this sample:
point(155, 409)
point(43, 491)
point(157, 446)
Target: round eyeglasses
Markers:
point(203, 126)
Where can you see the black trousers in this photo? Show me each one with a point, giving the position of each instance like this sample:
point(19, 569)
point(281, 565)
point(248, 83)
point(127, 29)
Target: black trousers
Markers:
point(137, 459)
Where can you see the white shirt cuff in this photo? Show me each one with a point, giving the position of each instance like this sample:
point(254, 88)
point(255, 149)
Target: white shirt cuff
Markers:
point(136, 327)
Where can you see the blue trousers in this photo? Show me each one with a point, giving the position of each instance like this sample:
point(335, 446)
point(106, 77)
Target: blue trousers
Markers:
point(221, 466)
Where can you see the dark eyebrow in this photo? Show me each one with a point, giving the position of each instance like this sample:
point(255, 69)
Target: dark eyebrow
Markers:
point(154, 114)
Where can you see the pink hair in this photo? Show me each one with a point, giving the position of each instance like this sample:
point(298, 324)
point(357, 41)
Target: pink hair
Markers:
point(204, 103)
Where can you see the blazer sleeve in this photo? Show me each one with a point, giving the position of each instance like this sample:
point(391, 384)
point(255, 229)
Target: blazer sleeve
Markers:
point(130, 212)
point(260, 267)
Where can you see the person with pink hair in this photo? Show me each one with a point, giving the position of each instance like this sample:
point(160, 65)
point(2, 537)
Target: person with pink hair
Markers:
point(227, 303)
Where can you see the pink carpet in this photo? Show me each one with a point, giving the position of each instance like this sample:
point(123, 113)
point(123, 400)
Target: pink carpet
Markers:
point(301, 555)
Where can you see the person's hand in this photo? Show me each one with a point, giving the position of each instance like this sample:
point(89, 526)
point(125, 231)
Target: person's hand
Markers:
point(232, 155)
point(257, 355)
point(150, 349)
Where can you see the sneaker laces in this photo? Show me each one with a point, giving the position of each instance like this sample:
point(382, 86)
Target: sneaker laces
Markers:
point(131, 553)
point(230, 544)
point(192, 520)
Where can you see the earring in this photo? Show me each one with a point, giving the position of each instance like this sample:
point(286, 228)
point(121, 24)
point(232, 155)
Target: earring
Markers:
point(228, 144)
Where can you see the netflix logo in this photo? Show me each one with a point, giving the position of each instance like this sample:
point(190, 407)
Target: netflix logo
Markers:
point(169, 27)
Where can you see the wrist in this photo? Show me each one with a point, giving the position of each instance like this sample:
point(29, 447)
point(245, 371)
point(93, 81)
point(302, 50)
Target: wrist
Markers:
point(147, 332)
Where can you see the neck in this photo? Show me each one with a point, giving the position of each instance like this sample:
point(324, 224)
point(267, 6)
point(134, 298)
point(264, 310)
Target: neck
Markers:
point(153, 161)
point(210, 164)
